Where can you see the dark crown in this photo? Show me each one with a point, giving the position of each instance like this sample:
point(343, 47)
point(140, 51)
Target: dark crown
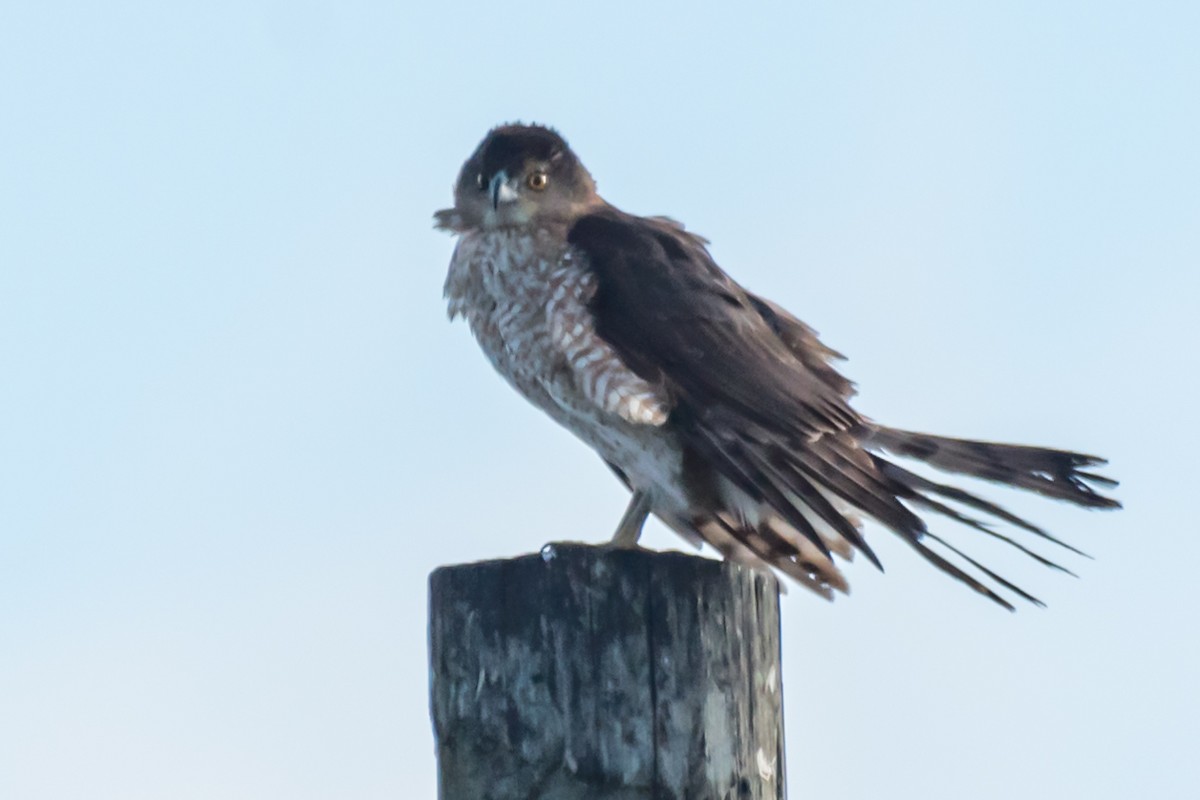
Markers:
point(509, 147)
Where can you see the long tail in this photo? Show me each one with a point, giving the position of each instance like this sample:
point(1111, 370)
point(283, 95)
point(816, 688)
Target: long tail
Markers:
point(1058, 474)
point(1054, 473)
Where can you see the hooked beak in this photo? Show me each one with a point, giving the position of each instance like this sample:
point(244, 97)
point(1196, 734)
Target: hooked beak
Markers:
point(501, 190)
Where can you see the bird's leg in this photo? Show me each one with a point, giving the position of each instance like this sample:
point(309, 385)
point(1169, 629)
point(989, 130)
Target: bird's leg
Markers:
point(629, 530)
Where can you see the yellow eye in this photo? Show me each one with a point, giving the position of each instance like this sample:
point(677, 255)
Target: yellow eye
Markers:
point(537, 181)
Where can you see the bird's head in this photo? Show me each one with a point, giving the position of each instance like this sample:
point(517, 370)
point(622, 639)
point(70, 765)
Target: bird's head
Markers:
point(519, 176)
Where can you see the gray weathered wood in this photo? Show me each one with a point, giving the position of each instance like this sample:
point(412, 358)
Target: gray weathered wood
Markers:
point(587, 673)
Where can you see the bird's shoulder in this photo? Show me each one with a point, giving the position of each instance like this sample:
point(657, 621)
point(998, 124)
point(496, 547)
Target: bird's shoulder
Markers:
point(674, 315)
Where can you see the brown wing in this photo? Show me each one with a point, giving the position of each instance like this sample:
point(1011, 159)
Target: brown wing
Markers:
point(753, 409)
point(671, 312)
point(758, 401)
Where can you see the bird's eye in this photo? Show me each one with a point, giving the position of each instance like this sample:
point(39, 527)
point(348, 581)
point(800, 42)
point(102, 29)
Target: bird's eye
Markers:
point(537, 181)
point(480, 182)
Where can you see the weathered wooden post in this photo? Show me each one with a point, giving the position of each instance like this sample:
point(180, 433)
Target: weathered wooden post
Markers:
point(587, 672)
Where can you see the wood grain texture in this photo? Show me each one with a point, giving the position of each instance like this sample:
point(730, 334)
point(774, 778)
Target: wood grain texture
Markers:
point(586, 673)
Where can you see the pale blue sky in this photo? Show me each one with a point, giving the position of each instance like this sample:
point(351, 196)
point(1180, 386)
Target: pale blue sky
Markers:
point(237, 431)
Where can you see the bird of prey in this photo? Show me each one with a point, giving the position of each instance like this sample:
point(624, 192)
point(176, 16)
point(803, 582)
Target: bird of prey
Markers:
point(719, 410)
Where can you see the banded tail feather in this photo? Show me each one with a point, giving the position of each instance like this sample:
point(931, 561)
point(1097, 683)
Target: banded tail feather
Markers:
point(786, 504)
point(1058, 474)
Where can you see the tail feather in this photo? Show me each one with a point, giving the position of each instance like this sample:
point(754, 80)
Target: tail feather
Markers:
point(957, 572)
point(1012, 587)
point(1053, 473)
point(917, 484)
point(957, 516)
point(779, 502)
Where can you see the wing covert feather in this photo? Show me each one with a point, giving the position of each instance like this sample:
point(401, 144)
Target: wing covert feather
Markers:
point(675, 316)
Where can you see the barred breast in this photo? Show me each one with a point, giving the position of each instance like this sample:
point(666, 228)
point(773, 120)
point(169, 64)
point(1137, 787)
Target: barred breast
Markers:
point(524, 296)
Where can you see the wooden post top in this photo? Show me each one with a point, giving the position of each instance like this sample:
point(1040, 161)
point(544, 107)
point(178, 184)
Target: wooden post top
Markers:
point(593, 672)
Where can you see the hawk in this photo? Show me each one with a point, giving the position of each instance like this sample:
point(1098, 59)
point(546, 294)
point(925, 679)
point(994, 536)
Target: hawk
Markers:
point(721, 412)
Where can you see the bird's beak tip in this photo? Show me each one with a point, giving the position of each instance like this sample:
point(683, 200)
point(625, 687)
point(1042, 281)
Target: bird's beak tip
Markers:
point(501, 190)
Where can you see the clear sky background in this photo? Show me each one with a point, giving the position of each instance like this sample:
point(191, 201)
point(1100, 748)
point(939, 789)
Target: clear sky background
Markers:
point(237, 431)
